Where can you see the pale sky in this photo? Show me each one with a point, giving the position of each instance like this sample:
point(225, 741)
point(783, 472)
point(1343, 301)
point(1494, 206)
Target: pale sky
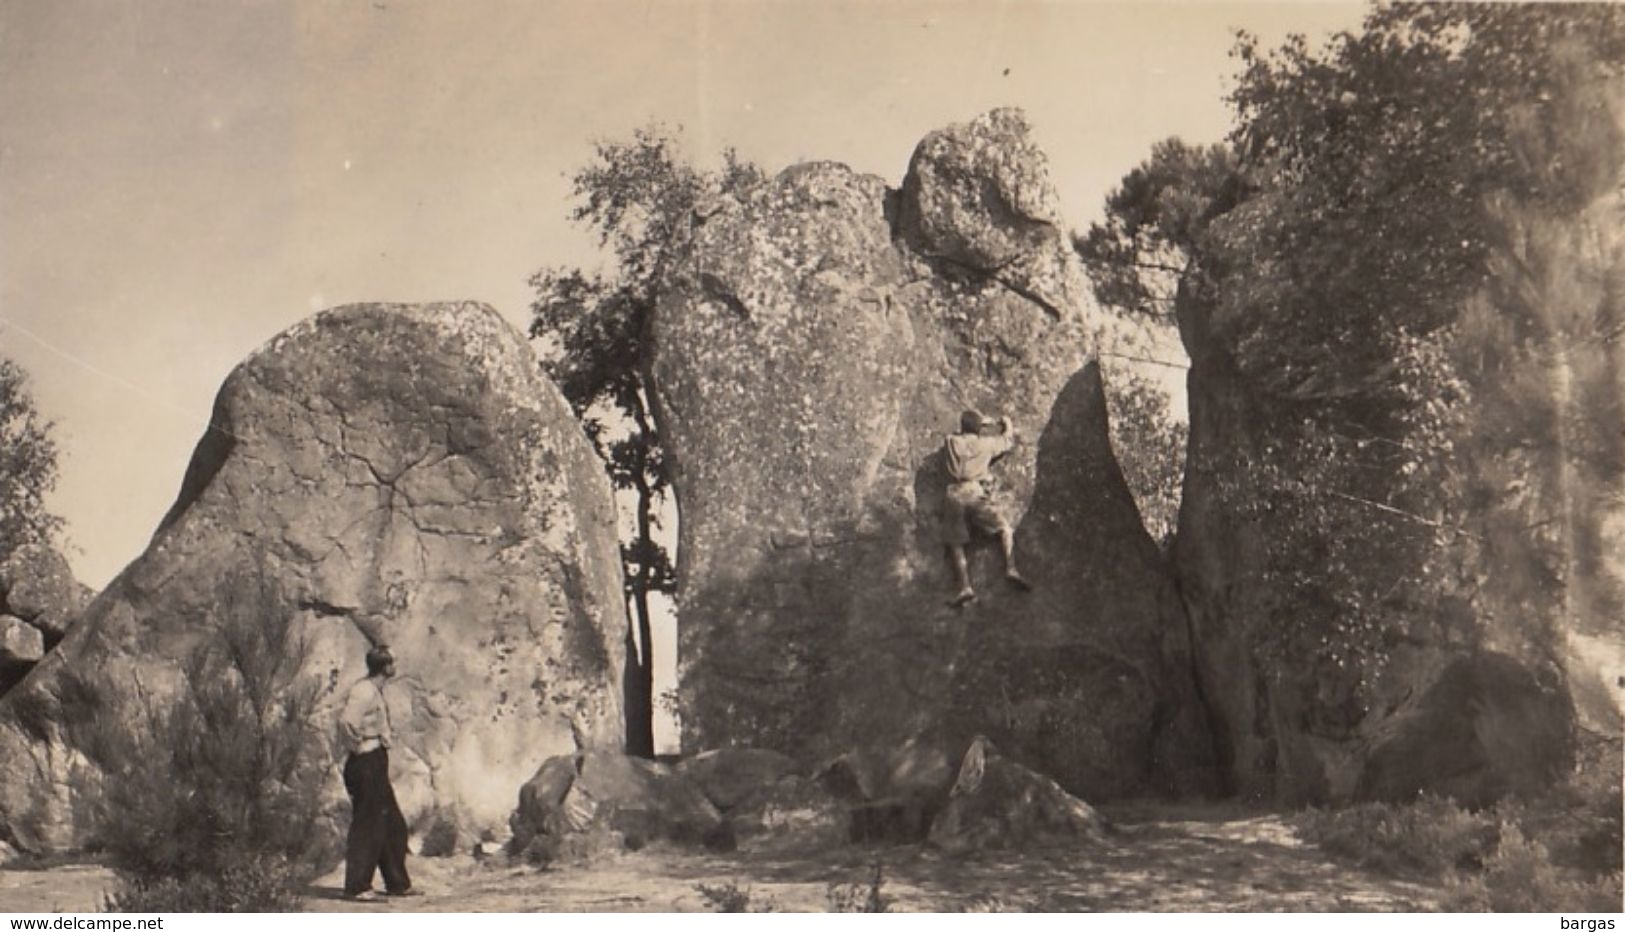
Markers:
point(179, 181)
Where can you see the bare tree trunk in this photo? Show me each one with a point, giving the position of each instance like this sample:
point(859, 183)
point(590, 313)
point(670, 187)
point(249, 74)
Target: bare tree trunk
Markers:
point(639, 680)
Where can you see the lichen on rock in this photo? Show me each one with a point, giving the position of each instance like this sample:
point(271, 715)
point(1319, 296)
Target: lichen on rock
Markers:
point(812, 353)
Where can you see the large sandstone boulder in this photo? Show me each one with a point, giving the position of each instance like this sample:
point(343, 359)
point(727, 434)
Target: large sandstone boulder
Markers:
point(793, 813)
point(1436, 715)
point(21, 644)
point(37, 586)
point(997, 803)
point(400, 473)
point(581, 808)
point(891, 793)
point(818, 345)
point(1483, 729)
point(585, 806)
point(39, 600)
point(980, 198)
point(735, 777)
point(1480, 698)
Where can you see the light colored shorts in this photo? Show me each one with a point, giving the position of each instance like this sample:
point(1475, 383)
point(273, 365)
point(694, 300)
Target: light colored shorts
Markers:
point(969, 506)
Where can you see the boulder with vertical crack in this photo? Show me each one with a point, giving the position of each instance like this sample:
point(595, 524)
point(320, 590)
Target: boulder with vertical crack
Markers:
point(808, 360)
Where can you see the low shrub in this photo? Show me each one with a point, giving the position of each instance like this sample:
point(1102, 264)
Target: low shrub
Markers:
point(256, 885)
point(1431, 836)
point(732, 898)
point(441, 839)
point(1601, 844)
point(1521, 878)
point(1487, 860)
point(208, 795)
point(861, 897)
point(1579, 820)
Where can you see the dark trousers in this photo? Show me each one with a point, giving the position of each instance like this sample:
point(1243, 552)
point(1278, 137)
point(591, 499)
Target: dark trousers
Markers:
point(377, 828)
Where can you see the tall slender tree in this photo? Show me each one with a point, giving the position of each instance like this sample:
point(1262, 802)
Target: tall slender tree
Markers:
point(639, 197)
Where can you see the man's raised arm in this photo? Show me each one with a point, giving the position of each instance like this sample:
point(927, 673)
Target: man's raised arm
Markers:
point(1006, 440)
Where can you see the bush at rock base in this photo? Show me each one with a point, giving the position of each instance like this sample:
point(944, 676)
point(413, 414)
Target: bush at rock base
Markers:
point(441, 838)
point(861, 897)
point(1487, 859)
point(1431, 836)
point(1582, 820)
point(1521, 878)
point(732, 898)
point(254, 885)
point(210, 799)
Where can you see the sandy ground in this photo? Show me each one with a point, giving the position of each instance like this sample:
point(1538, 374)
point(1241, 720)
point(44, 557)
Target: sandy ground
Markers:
point(1169, 860)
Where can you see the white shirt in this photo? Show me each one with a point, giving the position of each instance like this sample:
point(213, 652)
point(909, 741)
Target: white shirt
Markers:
point(364, 723)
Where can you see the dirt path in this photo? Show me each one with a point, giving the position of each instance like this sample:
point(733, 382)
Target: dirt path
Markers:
point(1170, 860)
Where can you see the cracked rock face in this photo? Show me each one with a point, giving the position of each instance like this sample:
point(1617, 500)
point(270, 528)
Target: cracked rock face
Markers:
point(405, 474)
point(821, 343)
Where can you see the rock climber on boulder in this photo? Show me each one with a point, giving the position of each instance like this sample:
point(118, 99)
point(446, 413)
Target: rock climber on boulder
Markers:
point(968, 504)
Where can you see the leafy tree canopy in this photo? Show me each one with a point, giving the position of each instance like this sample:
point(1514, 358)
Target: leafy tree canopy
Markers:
point(1149, 443)
point(1375, 252)
point(28, 464)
